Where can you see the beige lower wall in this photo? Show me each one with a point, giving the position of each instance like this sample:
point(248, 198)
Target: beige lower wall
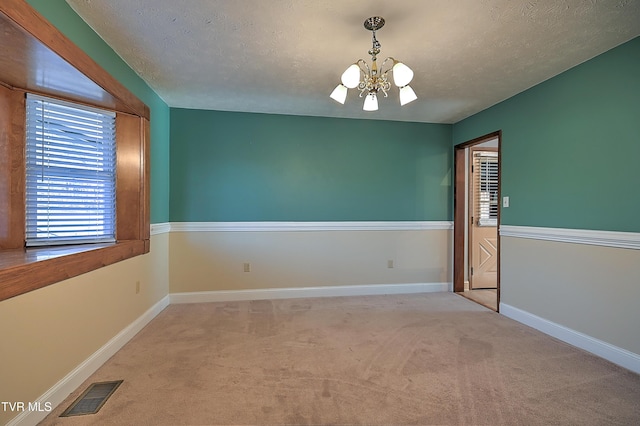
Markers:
point(590, 289)
point(47, 333)
point(214, 260)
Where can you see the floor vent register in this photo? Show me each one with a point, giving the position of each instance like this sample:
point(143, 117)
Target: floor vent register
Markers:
point(92, 399)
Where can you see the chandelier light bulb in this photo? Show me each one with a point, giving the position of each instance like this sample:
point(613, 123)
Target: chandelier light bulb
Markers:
point(351, 77)
point(402, 74)
point(339, 94)
point(370, 102)
point(407, 95)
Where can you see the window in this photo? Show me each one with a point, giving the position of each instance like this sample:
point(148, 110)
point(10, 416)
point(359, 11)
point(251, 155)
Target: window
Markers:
point(30, 45)
point(70, 173)
point(485, 166)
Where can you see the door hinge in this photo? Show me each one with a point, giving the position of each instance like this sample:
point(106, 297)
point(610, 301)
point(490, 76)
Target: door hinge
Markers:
point(472, 270)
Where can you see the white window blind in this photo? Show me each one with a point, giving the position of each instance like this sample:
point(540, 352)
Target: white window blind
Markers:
point(485, 166)
point(70, 173)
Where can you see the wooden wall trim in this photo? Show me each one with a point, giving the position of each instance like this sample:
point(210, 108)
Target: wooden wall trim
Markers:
point(22, 271)
point(25, 16)
point(128, 171)
point(133, 171)
point(458, 221)
point(12, 169)
point(145, 182)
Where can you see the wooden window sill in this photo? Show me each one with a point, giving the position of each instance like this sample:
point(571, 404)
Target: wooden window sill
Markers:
point(24, 270)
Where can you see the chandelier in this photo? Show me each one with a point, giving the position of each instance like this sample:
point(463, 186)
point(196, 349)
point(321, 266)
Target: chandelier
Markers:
point(371, 81)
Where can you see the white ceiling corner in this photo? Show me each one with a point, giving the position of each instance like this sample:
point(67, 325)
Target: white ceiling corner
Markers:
point(286, 56)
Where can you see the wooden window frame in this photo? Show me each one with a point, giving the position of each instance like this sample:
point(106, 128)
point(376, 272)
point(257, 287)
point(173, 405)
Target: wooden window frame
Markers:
point(23, 270)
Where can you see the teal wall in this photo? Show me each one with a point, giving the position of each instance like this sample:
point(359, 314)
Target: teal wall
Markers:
point(228, 166)
point(571, 146)
point(569, 152)
point(60, 14)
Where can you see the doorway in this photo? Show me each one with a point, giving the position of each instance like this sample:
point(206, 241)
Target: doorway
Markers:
point(476, 258)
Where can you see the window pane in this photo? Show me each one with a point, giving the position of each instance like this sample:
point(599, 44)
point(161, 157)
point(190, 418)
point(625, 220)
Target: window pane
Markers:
point(486, 189)
point(70, 182)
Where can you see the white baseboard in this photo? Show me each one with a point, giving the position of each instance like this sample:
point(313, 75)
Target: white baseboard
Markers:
point(298, 292)
point(69, 383)
point(616, 355)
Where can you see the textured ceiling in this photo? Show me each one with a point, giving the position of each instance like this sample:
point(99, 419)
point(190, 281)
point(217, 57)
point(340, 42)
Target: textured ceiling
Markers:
point(286, 56)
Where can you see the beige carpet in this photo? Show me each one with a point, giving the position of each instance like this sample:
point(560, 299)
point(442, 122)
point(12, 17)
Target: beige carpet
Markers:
point(431, 359)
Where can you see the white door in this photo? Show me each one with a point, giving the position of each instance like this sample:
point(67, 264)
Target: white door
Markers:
point(483, 223)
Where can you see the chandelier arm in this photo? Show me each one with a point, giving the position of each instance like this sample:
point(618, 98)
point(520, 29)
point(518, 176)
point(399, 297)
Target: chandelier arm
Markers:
point(385, 61)
point(385, 86)
point(366, 70)
point(390, 58)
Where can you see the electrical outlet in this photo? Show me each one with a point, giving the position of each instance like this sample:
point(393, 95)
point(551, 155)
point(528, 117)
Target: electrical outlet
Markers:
point(390, 264)
point(247, 267)
point(137, 287)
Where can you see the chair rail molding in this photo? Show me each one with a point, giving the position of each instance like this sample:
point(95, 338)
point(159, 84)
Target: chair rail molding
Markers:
point(627, 240)
point(301, 226)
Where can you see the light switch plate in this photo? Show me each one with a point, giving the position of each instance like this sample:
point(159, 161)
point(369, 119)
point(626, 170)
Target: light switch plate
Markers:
point(505, 201)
